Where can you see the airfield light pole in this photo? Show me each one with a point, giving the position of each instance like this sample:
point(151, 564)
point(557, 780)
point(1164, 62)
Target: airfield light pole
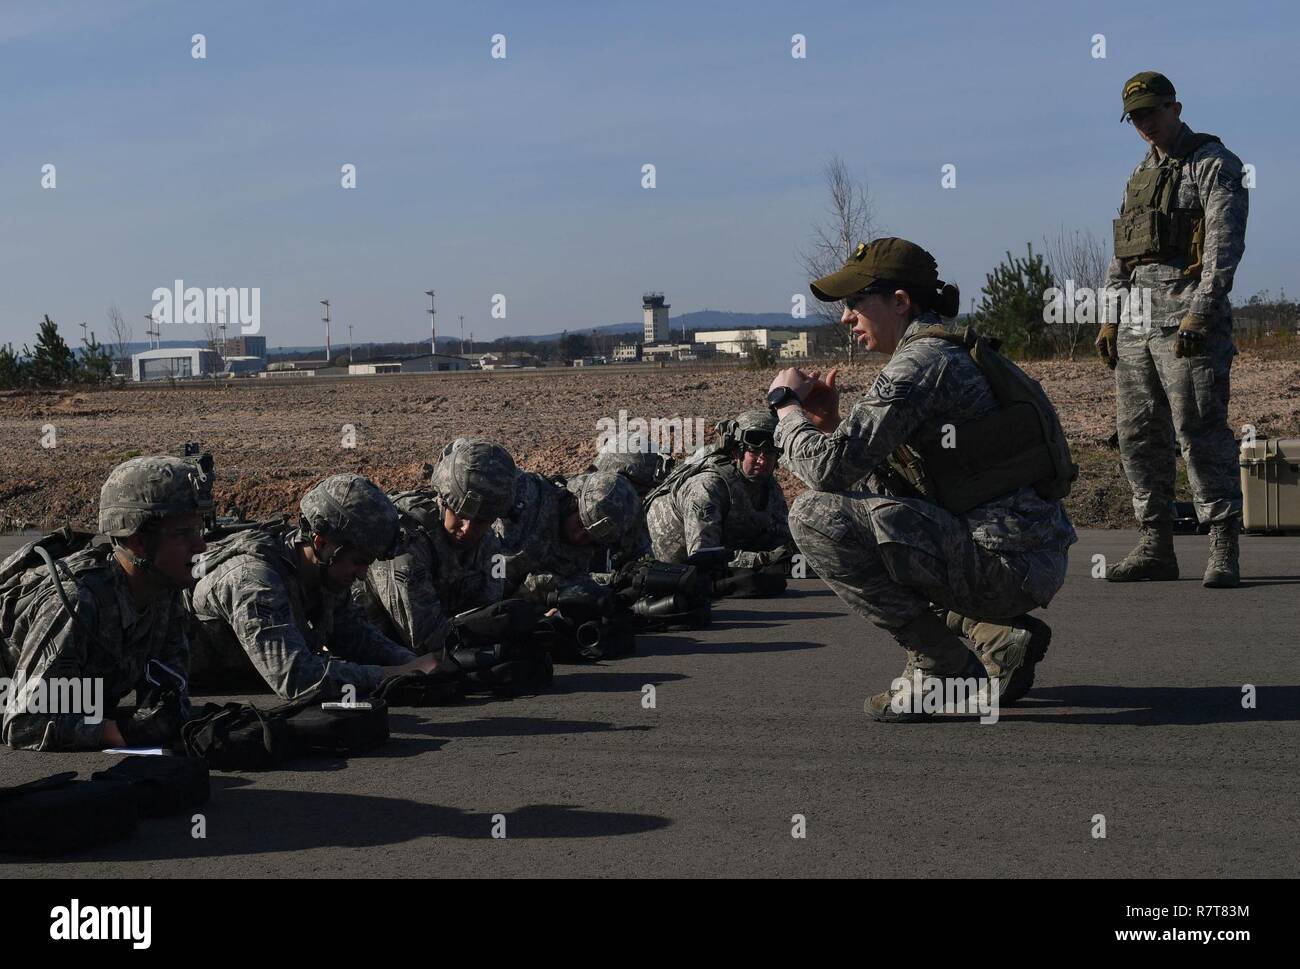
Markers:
point(349, 344)
point(326, 319)
point(152, 331)
point(462, 335)
point(433, 327)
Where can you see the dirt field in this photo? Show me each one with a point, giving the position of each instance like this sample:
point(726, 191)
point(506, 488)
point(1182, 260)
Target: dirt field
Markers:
point(274, 438)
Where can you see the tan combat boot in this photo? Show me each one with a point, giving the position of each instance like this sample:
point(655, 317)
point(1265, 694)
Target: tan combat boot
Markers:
point(1223, 571)
point(1009, 650)
point(1152, 560)
point(934, 651)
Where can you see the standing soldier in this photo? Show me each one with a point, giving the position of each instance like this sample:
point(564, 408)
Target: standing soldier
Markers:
point(1180, 235)
point(929, 492)
point(278, 601)
point(116, 616)
point(448, 566)
point(725, 496)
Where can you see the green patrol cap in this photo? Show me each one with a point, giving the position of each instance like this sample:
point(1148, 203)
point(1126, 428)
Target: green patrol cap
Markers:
point(885, 260)
point(1149, 89)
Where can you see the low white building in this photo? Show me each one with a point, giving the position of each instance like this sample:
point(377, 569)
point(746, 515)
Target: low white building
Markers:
point(373, 368)
point(740, 342)
point(443, 362)
point(244, 366)
point(627, 353)
point(174, 363)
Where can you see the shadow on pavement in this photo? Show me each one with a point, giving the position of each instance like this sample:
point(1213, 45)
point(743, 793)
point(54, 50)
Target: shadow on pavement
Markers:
point(1158, 706)
point(752, 617)
point(686, 645)
point(518, 727)
point(244, 819)
point(611, 682)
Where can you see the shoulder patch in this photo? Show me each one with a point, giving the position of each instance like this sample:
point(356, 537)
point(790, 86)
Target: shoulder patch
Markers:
point(887, 390)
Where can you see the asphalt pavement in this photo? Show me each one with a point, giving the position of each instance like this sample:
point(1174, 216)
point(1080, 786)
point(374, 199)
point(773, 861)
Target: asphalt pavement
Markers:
point(1137, 716)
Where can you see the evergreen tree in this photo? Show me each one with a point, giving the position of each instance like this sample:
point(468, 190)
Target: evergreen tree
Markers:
point(96, 363)
point(13, 368)
point(1012, 308)
point(52, 364)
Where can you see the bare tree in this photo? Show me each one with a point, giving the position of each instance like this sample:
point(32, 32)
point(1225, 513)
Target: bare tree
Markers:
point(850, 219)
point(212, 333)
point(1079, 258)
point(121, 331)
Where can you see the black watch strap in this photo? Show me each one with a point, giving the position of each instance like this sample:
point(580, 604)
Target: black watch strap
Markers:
point(780, 397)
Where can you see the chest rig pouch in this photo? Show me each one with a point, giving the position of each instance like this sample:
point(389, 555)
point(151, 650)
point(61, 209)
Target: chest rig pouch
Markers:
point(1151, 226)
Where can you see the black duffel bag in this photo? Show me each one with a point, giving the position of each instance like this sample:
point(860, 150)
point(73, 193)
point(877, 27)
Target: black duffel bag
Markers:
point(337, 728)
point(59, 813)
point(240, 736)
point(236, 736)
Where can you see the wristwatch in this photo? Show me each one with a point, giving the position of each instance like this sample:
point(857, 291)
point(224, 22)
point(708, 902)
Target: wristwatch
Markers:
point(779, 397)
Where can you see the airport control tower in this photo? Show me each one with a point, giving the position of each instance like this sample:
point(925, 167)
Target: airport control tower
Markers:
point(656, 318)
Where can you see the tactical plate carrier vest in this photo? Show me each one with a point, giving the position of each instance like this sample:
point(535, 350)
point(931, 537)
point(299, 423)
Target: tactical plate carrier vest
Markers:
point(1151, 226)
point(1022, 443)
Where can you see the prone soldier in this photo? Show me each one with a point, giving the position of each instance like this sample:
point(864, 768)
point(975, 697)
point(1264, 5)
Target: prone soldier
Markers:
point(277, 600)
point(645, 470)
point(547, 540)
point(448, 564)
point(724, 507)
point(115, 616)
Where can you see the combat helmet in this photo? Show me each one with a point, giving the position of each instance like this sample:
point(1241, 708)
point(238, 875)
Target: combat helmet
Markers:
point(607, 505)
point(351, 510)
point(754, 429)
point(142, 490)
point(475, 479)
point(644, 469)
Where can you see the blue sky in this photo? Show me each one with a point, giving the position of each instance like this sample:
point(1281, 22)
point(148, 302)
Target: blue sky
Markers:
point(522, 176)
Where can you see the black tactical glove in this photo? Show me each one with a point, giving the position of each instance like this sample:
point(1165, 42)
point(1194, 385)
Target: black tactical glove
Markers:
point(1191, 336)
point(163, 705)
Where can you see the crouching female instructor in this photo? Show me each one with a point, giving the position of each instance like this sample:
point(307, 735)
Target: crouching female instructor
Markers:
point(877, 524)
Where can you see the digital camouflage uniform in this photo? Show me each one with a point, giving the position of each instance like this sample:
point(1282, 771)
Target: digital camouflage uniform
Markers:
point(634, 544)
point(44, 642)
point(1161, 398)
point(414, 596)
point(891, 557)
point(258, 601)
point(719, 508)
point(538, 560)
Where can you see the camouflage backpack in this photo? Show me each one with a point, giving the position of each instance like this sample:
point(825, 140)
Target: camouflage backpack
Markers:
point(24, 572)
